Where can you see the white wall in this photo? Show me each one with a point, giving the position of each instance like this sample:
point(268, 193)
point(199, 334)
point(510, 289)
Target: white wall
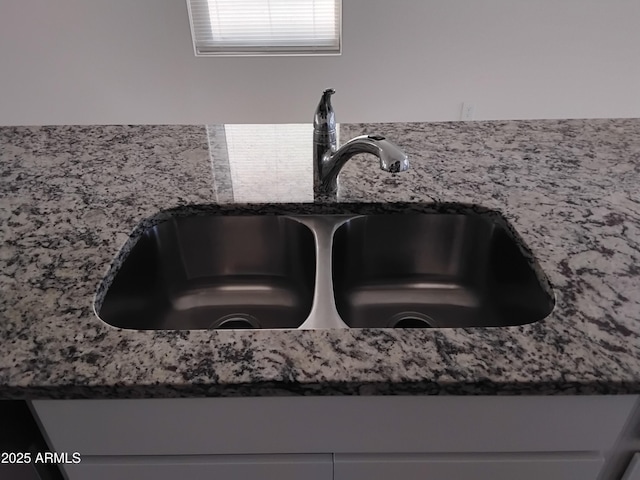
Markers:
point(131, 61)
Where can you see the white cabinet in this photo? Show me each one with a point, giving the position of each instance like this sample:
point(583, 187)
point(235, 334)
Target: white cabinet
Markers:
point(633, 470)
point(468, 467)
point(430, 424)
point(404, 438)
point(219, 467)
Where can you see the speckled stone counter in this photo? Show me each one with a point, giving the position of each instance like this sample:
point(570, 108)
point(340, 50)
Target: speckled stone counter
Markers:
point(70, 198)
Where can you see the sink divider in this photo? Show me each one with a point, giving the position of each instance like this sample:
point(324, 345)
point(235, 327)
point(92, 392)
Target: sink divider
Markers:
point(323, 310)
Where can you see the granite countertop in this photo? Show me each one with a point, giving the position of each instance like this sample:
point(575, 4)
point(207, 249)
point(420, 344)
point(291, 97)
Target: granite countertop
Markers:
point(70, 197)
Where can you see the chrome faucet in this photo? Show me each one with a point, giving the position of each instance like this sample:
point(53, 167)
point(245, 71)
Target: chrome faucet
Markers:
point(328, 159)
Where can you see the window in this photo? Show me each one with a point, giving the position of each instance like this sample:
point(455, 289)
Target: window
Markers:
point(266, 27)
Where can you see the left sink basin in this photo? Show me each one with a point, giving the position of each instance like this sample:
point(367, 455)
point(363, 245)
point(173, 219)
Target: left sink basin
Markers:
point(215, 272)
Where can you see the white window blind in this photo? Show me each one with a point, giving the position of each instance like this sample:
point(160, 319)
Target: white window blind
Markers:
point(265, 27)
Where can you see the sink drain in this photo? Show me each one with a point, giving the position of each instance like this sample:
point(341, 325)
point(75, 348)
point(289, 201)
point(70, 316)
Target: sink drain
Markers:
point(236, 321)
point(411, 320)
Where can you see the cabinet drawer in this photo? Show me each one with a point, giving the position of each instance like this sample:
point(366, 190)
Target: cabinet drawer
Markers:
point(472, 467)
point(219, 467)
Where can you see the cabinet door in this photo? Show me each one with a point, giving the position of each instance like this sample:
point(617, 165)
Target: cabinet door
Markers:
point(633, 470)
point(218, 467)
point(471, 467)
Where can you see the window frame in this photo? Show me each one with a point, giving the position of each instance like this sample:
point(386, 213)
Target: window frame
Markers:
point(267, 50)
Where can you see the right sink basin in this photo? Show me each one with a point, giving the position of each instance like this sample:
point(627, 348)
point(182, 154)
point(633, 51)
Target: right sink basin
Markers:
point(435, 270)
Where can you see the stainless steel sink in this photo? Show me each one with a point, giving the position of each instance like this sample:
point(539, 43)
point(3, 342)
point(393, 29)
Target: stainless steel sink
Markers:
point(215, 272)
point(447, 270)
point(392, 270)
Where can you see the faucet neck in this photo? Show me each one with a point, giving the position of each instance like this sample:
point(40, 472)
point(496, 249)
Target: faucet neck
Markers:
point(325, 138)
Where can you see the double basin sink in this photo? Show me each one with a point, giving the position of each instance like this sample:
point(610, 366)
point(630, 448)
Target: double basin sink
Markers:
point(398, 270)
